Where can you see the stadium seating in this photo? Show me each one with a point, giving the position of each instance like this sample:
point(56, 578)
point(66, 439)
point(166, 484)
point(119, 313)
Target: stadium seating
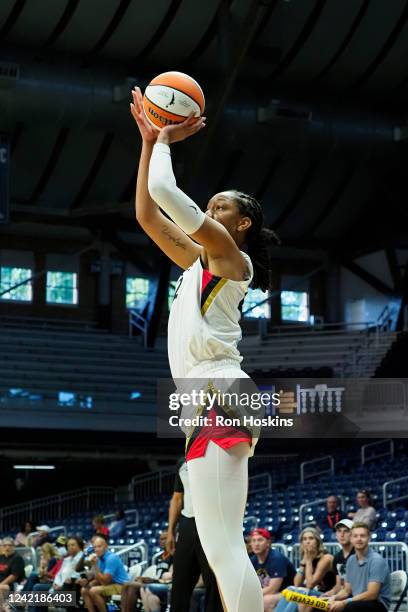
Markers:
point(278, 510)
point(43, 361)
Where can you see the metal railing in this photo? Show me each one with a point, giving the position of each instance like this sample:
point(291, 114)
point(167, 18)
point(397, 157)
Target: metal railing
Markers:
point(294, 551)
point(304, 464)
point(387, 485)
point(309, 506)
point(324, 328)
point(130, 555)
point(29, 555)
point(387, 453)
point(395, 553)
point(128, 513)
point(56, 507)
point(147, 485)
point(55, 530)
point(140, 322)
point(250, 522)
point(260, 483)
point(282, 548)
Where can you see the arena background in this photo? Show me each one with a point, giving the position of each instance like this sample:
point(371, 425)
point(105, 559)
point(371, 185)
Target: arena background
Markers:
point(307, 110)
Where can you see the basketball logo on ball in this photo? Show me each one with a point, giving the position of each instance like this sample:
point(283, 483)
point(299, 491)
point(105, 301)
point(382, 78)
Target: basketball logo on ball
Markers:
point(171, 97)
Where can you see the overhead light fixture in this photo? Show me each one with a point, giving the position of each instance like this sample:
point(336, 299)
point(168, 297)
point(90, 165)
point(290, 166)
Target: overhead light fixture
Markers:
point(34, 467)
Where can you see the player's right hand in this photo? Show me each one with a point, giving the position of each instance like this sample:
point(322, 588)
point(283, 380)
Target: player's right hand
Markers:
point(148, 132)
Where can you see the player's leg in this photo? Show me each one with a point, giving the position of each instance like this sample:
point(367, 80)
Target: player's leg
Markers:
point(212, 595)
point(219, 484)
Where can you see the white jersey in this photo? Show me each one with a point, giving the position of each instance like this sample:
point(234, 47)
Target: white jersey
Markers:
point(204, 319)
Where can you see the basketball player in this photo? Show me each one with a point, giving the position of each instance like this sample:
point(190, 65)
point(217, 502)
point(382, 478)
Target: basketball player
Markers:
point(203, 334)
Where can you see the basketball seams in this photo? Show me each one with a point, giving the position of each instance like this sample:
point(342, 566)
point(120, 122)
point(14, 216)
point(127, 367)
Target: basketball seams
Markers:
point(164, 110)
point(181, 81)
point(169, 96)
point(175, 89)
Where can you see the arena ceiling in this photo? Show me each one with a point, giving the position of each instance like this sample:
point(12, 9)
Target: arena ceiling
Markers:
point(306, 103)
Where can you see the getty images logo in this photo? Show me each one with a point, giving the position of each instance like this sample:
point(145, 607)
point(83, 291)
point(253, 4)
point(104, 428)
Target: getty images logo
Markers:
point(3, 155)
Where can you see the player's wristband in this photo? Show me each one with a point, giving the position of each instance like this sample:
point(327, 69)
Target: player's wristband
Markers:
point(349, 600)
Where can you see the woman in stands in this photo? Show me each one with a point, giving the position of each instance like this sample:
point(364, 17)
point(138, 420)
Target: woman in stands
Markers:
point(223, 252)
point(366, 512)
point(315, 573)
point(21, 538)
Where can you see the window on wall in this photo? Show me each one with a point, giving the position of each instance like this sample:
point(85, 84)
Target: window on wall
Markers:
point(295, 306)
point(62, 288)
point(9, 277)
point(137, 292)
point(170, 296)
point(252, 298)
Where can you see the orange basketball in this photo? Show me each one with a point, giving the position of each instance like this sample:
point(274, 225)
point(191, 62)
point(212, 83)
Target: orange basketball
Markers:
point(171, 97)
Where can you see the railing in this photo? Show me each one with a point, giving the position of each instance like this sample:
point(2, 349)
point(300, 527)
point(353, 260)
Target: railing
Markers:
point(254, 486)
point(324, 328)
point(392, 500)
point(250, 522)
point(128, 513)
point(156, 556)
point(329, 470)
point(294, 551)
point(308, 507)
point(148, 485)
point(130, 555)
point(384, 319)
point(140, 322)
point(56, 507)
point(387, 453)
point(29, 555)
point(395, 553)
point(282, 548)
point(54, 530)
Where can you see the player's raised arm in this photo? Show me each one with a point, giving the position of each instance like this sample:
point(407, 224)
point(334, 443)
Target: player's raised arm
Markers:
point(218, 243)
point(166, 234)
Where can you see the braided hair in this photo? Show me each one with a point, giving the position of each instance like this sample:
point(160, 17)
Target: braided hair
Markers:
point(258, 238)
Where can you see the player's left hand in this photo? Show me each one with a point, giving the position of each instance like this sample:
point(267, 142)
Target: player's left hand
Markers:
point(176, 133)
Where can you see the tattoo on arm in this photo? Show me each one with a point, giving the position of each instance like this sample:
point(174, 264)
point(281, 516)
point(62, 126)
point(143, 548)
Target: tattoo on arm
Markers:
point(177, 241)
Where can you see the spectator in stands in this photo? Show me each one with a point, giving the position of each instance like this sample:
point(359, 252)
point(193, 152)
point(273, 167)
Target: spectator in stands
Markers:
point(117, 528)
point(131, 591)
point(343, 537)
point(332, 515)
point(67, 574)
point(110, 576)
point(367, 587)
point(47, 567)
point(315, 569)
point(21, 538)
point(61, 545)
point(366, 512)
point(98, 523)
point(189, 558)
point(42, 537)
point(72, 565)
point(11, 567)
point(274, 570)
